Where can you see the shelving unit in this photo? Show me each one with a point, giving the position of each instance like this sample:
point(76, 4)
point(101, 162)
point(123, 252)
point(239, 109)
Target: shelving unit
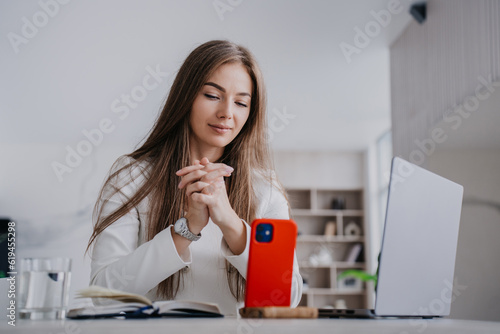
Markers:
point(323, 257)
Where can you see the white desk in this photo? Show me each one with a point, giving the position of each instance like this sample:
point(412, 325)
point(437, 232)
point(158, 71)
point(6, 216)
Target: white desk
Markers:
point(250, 326)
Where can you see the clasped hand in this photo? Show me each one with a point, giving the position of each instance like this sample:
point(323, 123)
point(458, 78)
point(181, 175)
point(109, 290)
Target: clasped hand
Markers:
point(206, 194)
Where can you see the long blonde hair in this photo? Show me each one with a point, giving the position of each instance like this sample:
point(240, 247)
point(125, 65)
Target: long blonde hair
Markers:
point(166, 150)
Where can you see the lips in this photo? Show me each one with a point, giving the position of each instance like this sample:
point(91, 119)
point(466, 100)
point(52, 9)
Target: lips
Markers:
point(220, 128)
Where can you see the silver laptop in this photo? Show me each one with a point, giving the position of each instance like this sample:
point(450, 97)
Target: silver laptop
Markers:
point(417, 259)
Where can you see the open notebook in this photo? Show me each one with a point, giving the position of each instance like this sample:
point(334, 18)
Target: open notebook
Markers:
point(131, 305)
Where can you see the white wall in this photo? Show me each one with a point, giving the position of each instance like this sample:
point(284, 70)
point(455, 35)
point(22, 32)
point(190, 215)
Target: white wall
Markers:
point(477, 265)
point(321, 169)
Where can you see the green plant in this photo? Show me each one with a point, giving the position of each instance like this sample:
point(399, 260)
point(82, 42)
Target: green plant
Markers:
point(359, 274)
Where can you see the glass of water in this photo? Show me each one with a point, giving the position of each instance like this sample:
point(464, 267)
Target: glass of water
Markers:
point(44, 288)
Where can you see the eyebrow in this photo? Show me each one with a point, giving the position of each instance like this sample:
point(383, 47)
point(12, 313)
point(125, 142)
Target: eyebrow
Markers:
point(222, 89)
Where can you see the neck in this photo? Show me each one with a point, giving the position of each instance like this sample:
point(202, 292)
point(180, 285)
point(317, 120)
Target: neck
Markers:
point(199, 152)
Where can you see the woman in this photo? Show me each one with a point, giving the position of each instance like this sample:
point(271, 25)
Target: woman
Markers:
point(171, 219)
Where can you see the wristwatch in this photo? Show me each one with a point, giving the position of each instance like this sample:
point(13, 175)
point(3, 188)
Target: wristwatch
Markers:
point(182, 229)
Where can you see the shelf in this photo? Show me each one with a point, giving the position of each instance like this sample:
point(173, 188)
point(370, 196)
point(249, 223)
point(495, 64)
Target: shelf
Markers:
point(338, 265)
point(349, 265)
point(326, 291)
point(329, 238)
point(312, 210)
point(326, 213)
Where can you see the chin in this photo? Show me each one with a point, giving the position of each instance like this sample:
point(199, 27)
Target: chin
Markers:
point(219, 142)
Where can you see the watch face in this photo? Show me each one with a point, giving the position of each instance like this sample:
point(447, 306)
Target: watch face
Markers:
point(180, 225)
point(182, 229)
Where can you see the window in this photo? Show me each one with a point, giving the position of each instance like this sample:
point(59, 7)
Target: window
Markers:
point(384, 158)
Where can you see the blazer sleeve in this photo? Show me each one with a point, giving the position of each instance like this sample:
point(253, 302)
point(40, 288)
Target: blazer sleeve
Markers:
point(119, 260)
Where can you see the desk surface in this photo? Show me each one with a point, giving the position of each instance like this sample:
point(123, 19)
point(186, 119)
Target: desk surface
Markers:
point(250, 326)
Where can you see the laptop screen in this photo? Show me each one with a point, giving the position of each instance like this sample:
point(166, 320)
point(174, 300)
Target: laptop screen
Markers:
point(419, 245)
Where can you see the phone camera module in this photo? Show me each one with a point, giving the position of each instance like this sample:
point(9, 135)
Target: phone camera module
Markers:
point(264, 233)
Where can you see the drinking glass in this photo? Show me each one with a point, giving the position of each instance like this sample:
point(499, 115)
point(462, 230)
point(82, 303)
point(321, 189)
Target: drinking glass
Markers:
point(44, 288)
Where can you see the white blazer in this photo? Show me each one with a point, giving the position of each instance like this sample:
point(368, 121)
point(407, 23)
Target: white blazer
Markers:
point(122, 258)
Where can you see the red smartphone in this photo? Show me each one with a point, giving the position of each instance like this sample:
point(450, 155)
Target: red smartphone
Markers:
point(270, 263)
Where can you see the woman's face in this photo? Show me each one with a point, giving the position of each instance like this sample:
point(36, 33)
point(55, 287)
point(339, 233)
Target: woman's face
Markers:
point(221, 107)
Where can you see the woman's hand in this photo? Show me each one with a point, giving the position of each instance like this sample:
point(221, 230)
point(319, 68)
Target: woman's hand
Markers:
point(201, 181)
point(205, 186)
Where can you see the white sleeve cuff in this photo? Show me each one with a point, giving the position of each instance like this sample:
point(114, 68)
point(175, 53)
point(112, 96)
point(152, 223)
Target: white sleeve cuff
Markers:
point(185, 258)
point(297, 283)
point(240, 262)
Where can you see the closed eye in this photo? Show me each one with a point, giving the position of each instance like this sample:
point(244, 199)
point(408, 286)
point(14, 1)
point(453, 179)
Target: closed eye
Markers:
point(212, 97)
point(241, 104)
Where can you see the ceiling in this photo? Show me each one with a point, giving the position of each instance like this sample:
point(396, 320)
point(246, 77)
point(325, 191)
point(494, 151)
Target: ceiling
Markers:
point(64, 79)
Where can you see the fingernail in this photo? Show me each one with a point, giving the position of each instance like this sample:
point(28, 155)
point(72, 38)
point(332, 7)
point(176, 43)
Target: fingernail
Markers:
point(229, 169)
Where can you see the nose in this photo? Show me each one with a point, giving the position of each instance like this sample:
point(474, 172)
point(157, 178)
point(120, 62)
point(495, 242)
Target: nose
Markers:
point(225, 109)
